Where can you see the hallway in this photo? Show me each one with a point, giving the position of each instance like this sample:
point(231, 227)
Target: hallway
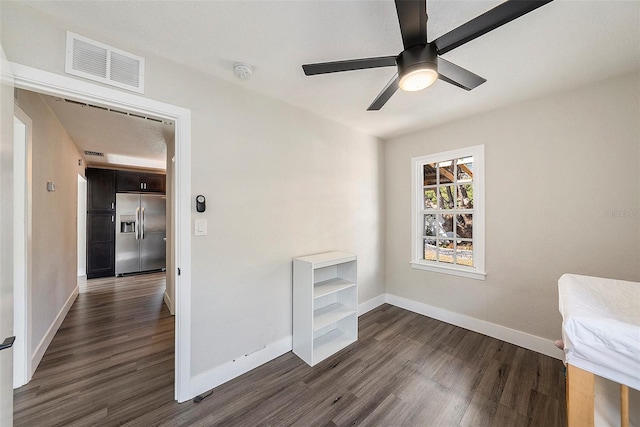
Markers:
point(116, 342)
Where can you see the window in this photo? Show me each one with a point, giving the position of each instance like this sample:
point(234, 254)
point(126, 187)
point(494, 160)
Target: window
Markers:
point(448, 212)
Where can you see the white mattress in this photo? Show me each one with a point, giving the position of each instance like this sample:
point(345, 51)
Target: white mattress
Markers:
point(601, 326)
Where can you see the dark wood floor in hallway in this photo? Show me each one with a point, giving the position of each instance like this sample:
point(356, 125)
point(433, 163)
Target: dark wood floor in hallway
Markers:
point(111, 363)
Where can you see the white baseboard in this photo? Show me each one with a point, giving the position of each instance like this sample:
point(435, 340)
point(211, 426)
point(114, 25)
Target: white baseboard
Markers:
point(221, 374)
point(230, 370)
point(371, 304)
point(167, 300)
point(51, 332)
point(234, 368)
point(519, 338)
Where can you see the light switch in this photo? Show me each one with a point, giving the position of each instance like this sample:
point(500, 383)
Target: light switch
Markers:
point(200, 227)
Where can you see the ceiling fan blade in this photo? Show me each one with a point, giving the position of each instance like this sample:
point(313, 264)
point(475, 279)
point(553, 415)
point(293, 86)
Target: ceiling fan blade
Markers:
point(458, 76)
point(384, 96)
point(412, 15)
point(499, 15)
point(348, 65)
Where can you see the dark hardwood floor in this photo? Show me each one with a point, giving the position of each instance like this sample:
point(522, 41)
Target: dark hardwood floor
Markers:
point(111, 363)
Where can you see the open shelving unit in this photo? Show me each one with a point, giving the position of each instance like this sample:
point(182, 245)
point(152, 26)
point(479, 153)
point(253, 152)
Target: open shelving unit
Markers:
point(325, 305)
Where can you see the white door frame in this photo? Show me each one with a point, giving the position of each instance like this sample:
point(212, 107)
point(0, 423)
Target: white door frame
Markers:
point(65, 87)
point(81, 225)
point(22, 172)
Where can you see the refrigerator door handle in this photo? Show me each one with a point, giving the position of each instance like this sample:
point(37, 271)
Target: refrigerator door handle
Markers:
point(137, 222)
point(142, 224)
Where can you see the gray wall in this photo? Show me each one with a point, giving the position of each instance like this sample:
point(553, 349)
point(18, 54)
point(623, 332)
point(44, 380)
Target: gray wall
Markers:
point(555, 168)
point(54, 215)
point(280, 182)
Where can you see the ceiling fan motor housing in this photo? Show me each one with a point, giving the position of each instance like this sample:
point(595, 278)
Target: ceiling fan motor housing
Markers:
point(417, 58)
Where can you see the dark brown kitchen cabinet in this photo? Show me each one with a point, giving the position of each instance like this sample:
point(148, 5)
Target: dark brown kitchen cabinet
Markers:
point(101, 211)
point(154, 182)
point(101, 245)
point(140, 182)
point(101, 189)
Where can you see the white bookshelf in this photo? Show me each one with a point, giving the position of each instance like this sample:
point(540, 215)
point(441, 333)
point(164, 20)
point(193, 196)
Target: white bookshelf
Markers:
point(325, 304)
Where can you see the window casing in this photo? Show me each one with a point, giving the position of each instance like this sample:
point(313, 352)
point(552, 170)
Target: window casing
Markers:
point(448, 212)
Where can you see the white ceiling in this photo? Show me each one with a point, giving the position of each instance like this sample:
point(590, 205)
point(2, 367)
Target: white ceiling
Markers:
point(563, 44)
point(125, 140)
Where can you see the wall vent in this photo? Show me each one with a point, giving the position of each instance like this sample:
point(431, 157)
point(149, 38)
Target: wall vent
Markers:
point(105, 64)
point(139, 116)
point(93, 153)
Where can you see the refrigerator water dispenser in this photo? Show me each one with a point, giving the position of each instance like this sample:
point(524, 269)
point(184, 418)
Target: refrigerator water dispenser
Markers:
point(127, 223)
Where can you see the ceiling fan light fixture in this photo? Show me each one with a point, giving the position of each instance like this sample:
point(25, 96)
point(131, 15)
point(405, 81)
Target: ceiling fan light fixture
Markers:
point(418, 79)
point(417, 67)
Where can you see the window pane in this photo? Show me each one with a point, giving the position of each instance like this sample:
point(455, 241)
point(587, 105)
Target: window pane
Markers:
point(465, 196)
point(430, 225)
point(445, 170)
point(430, 198)
point(445, 251)
point(429, 174)
point(445, 225)
point(464, 253)
point(465, 169)
point(430, 250)
point(464, 226)
point(447, 193)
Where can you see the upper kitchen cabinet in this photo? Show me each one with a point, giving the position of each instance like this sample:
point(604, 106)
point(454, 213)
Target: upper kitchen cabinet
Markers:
point(140, 182)
point(101, 194)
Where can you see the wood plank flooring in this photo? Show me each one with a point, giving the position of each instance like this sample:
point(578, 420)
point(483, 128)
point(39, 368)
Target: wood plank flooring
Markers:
point(113, 350)
point(111, 363)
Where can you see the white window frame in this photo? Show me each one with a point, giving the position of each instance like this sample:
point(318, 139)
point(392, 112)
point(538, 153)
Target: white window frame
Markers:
point(417, 211)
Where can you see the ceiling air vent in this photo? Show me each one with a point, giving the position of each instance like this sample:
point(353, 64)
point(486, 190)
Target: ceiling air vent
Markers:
point(105, 64)
point(93, 153)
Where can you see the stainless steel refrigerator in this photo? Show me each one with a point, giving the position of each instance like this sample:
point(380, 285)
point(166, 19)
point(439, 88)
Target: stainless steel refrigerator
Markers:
point(140, 232)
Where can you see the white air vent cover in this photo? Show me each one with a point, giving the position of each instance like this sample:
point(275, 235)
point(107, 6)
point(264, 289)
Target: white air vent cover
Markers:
point(96, 61)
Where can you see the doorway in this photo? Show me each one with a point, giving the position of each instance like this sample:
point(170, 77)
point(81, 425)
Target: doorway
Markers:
point(22, 134)
point(56, 85)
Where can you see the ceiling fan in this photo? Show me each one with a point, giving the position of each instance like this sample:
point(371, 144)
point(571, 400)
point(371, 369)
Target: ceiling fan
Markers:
point(420, 63)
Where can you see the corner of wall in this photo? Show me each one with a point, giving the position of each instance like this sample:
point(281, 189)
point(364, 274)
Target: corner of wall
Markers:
point(168, 302)
point(369, 305)
point(51, 332)
point(236, 367)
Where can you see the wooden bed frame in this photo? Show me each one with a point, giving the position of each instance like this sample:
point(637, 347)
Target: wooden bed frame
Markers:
point(580, 394)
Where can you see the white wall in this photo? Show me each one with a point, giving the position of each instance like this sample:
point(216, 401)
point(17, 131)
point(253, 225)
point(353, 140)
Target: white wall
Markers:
point(555, 168)
point(54, 243)
point(280, 182)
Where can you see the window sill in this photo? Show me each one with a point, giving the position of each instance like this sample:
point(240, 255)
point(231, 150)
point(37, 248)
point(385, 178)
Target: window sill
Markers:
point(470, 274)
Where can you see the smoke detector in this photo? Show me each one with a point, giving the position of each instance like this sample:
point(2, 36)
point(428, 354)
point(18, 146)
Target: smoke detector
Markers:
point(242, 71)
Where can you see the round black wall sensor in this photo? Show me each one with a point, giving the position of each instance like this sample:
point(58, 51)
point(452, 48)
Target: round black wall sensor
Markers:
point(200, 203)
